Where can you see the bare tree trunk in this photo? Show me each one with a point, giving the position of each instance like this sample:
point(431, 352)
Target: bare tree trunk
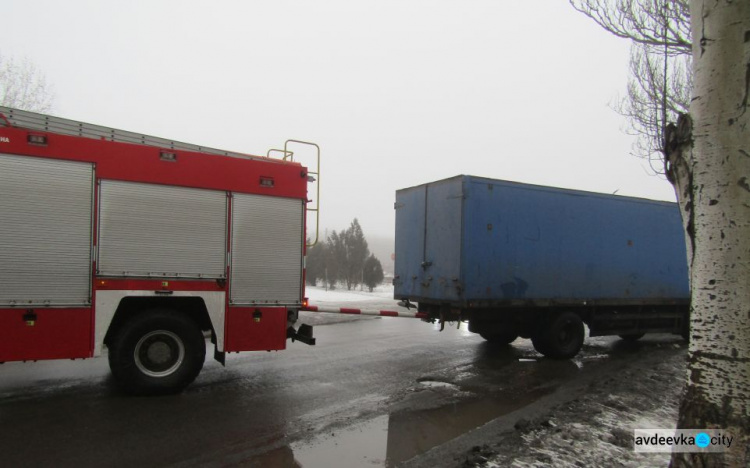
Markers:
point(713, 184)
point(678, 167)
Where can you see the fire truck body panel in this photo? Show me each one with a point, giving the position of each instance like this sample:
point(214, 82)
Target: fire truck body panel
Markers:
point(67, 334)
point(108, 300)
point(96, 232)
point(256, 328)
point(150, 164)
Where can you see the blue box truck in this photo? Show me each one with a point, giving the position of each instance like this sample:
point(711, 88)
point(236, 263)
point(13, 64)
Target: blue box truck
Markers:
point(538, 262)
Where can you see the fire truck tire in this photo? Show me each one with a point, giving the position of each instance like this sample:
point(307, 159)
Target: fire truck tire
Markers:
point(159, 351)
point(561, 337)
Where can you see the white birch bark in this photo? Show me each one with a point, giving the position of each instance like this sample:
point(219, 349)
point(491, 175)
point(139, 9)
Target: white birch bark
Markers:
point(718, 387)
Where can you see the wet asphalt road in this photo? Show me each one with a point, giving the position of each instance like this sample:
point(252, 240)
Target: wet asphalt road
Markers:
point(373, 392)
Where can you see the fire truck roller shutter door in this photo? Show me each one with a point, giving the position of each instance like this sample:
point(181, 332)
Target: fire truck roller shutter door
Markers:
point(45, 231)
point(267, 241)
point(150, 230)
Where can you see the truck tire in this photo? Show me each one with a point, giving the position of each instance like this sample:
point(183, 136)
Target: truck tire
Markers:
point(632, 337)
point(500, 338)
point(561, 337)
point(538, 342)
point(156, 352)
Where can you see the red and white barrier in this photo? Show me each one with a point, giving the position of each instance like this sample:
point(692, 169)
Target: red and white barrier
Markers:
point(351, 311)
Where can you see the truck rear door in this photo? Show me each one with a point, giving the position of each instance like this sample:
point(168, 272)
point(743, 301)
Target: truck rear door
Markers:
point(428, 241)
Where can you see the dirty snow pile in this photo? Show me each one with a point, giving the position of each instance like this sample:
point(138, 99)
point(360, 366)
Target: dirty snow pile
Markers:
point(596, 429)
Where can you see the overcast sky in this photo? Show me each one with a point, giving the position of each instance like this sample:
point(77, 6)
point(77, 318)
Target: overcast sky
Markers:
point(396, 93)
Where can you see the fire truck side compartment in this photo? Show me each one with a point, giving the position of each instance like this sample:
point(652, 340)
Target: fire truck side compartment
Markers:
point(149, 230)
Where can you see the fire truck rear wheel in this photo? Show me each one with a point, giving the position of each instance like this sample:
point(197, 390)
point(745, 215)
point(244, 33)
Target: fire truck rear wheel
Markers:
point(158, 351)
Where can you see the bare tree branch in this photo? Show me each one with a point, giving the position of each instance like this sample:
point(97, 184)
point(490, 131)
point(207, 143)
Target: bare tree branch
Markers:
point(660, 82)
point(24, 86)
point(641, 21)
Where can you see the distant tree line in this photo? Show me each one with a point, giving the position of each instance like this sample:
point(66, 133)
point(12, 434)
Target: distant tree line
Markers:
point(344, 259)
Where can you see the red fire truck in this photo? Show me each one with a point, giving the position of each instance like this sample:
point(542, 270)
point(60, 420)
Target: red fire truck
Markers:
point(145, 246)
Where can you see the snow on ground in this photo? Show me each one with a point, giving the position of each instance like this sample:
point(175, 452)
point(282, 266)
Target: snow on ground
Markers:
point(381, 298)
point(341, 294)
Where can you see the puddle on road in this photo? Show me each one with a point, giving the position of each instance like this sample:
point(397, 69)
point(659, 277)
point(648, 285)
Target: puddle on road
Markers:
point(434, 383)
point(388, 440)
point(360, 445)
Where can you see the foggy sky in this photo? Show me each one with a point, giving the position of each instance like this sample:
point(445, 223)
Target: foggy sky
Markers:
point(396, 93)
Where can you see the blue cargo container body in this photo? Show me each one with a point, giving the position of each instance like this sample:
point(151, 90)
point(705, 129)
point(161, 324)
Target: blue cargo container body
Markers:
point(477, 248)
point(470, 240)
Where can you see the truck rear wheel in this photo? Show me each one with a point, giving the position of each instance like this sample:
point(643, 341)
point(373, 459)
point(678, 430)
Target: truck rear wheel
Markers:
point(500, 337)
point(561, 337)
point(157, 352)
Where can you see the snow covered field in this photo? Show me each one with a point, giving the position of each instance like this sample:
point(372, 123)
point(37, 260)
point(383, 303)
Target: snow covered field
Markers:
point(381, 293)
point(380, 299)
